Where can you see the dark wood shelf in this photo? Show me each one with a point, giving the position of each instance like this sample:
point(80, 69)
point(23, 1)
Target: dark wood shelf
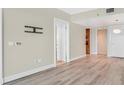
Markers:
point(34, 32)
point(34, 29)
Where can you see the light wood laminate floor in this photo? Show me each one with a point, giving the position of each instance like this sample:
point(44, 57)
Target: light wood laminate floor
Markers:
point(91, 70)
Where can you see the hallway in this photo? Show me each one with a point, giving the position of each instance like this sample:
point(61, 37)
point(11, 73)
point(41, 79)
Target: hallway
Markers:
point(91, 70)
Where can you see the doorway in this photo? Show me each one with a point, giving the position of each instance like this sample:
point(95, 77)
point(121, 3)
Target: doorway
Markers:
point(102, 41)
point(61, 41)
point(87, 41)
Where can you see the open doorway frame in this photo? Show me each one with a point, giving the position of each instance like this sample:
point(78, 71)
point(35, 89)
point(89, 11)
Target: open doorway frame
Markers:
point(102, 42)
point(1, 47)
point(55, 40)
point(88, 41)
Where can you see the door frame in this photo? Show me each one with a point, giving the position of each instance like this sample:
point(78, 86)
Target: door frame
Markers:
point(1, 46)
point(89, 40)
point(68, 43)
point(104, 29)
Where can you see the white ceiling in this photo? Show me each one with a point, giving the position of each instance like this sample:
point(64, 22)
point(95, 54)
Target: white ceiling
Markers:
point(95, 21)
point(72, 11)
point(102, 21)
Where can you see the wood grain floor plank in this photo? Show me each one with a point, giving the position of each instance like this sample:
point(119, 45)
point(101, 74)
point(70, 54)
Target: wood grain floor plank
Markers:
point(91, 70)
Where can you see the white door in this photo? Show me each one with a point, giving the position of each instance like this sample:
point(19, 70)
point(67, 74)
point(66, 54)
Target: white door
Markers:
point(58, 52)
point(62, 40)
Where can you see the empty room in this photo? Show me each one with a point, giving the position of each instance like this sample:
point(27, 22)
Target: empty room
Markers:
point(62, 46)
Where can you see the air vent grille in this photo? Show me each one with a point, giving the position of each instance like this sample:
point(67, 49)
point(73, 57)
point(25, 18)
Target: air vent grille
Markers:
point(110, 10)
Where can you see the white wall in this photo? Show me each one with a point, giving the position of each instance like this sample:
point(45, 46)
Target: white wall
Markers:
point(77, 41)
point(115, 41)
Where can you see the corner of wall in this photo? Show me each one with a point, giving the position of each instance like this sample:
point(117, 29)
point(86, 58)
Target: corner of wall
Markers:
point(24, 74)
point(76, 58)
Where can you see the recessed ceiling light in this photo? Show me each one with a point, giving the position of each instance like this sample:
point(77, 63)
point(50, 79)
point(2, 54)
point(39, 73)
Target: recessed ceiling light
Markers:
point(116, 31)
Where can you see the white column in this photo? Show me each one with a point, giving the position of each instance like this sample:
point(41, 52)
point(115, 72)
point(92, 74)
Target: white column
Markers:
point(1, 63)
point(93, 41)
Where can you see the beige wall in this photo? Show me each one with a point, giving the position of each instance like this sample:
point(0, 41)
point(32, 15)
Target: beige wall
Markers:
point(23, 58)
point(77, 41)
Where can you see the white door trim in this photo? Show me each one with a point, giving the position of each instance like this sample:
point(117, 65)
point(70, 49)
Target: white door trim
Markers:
point(1, 46)
point(93, 34)
point(68, 43)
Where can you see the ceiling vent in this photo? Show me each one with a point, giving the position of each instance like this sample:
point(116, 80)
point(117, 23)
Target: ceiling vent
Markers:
point(110, 10)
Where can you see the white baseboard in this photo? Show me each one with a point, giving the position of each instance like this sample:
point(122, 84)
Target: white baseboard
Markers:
point(94, 53)
point(1, 81)
point(73, 59)
point(23, 74)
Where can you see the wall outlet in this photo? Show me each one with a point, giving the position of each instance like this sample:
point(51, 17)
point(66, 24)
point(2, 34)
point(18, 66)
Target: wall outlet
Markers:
point(18, 43)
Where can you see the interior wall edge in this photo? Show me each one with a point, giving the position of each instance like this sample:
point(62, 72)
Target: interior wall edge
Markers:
point(1, 46)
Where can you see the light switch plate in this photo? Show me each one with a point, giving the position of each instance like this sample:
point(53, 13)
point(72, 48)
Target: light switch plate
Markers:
point(11, 43)
point(18, 43)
